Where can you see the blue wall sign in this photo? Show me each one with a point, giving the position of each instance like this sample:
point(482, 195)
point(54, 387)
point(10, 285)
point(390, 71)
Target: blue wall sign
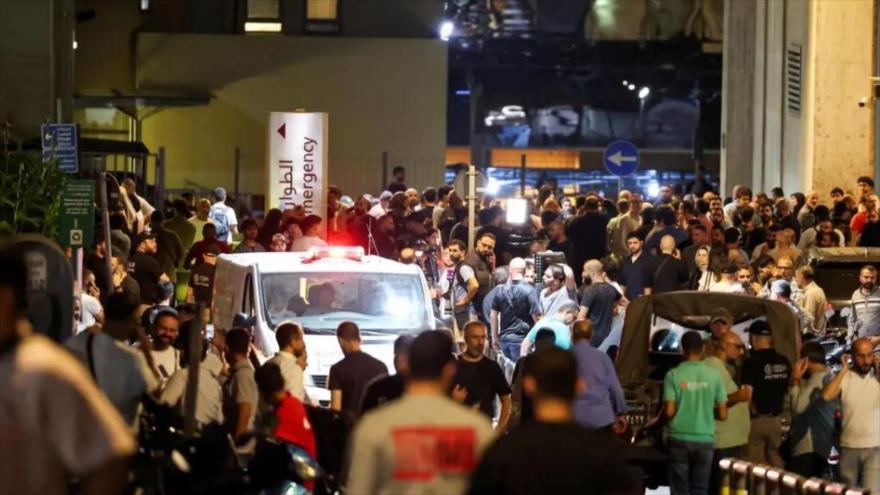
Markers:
point(60, 142)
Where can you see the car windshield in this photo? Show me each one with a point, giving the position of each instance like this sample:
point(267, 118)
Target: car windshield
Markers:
point(380, 303)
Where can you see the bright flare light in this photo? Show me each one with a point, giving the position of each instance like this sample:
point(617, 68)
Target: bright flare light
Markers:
point(644, 92)
point(446, 30)
point(631, 87)
point(625, 83)
point(492, 186)
point(653, 189)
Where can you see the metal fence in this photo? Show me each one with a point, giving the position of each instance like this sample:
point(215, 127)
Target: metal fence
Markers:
point(744, 478)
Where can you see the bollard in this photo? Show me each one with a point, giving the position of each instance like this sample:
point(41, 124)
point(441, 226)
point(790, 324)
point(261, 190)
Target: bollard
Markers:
point(836, 489)
point(741, 477)
point(726, 466)
point(774, 481)
point(814, 486)
point(759, 480)
point(792, 484)
point(857, 491)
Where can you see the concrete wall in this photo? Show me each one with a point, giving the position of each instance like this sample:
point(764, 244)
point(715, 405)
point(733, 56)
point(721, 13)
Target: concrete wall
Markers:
point(35, 61)
point(830, 141)
point(381, 94)
point(841, 66)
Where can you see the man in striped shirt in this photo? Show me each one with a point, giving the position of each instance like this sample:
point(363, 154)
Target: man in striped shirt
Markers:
point(864, 318)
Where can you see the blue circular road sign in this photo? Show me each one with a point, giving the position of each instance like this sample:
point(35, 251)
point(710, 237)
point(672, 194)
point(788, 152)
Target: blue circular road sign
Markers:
point(621, 158)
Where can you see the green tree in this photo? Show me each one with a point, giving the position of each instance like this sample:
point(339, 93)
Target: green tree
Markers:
point(30, 193)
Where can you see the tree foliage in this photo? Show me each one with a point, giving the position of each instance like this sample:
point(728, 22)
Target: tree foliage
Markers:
point(30, 193)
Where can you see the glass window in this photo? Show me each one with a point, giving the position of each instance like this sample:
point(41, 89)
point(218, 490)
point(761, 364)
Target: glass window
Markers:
point(322, 10)
point(263, 10)
point(263, 16)
point(377, 302)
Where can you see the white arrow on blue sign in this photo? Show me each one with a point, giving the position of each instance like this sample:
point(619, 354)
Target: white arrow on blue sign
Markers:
point(621, 158)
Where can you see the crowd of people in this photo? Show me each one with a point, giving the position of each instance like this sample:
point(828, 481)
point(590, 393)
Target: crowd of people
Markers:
point(526, 364)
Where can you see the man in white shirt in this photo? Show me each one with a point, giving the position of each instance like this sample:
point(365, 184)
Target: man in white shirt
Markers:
point(291, 345)
point(164, 327)
point(223, 217)
point(209, 398)
point(859, 391)
point(120, 371)
point(311, 228)
point(381, 208)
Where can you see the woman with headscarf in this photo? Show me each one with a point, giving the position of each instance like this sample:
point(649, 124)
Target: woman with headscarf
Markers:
point(701, 276)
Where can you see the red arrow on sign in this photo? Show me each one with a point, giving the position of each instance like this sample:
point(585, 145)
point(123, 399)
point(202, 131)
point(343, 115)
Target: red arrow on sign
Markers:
point(282, 130)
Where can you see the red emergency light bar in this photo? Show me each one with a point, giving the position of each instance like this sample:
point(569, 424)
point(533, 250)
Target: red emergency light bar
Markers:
point(353, 253)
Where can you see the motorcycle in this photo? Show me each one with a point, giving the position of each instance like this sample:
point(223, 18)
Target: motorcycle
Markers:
point(169, 462)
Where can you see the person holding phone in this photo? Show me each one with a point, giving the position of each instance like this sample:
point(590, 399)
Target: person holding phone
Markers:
point(858, 387)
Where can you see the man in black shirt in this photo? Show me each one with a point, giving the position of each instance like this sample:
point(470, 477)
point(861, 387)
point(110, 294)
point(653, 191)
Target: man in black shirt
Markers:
point(201, 280)
point(768, 373)
point(597, 301)
point(669, 272)
point(145, 269)
point(397, 185)
point(515, 308)
point(635, 268)
point(479, 379)
point(581, 461)
point(588, 232)
point(390, 387)
point(492, 222)
point(349, 378)
point(559, 242)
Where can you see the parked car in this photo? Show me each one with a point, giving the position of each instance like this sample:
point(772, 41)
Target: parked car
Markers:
point(837, 273)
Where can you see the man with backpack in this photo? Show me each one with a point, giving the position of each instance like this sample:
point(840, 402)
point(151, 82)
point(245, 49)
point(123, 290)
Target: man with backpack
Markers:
point(223, 217)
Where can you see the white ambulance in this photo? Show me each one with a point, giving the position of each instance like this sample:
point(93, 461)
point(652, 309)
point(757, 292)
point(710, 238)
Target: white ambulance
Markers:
point(320, 289)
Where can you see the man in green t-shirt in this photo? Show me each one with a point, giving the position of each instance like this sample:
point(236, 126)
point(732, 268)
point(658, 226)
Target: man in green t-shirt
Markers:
point(693, 395)
point(732, 435)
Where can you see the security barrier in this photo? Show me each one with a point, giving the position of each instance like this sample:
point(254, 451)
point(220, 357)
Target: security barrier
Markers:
point(740, 477)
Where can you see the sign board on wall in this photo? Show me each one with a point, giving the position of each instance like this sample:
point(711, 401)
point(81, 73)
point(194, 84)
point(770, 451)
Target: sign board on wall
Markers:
point(298, 161)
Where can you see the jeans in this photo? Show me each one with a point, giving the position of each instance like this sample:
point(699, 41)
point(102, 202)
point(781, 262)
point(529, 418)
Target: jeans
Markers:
point(510, 348)
point(861, 461)
point(689, 467)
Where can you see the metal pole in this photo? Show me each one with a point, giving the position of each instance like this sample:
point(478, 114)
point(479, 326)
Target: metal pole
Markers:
point(472, 204)
point(237, 173)
point(522, 175)
point(192, 374)
point(384, 171)
point(105, 219)
point(160, 175)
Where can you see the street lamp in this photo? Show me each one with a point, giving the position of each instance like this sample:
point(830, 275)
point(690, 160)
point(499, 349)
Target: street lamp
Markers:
point(446, 30)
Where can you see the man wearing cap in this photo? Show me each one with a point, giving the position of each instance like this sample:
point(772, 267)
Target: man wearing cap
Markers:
point(731, 435)
point(720, 323)
point(145, 268)
point(768, 373)
point(201, 280)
